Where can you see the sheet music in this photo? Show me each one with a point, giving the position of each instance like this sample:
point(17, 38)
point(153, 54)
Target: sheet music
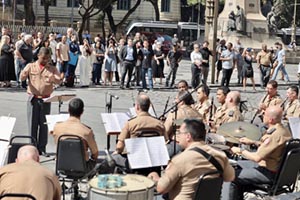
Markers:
point(53, 119)
point(7, 124)
point(3, 152)
point(294, 123)
point(133, 113)
point(138, 154)
point(114, 122)
point(147, 152)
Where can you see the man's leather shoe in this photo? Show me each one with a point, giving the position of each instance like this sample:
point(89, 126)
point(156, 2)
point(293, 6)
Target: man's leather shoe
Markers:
point(44, 154)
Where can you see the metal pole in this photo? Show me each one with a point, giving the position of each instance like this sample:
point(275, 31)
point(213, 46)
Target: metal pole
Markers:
point(72, 14)
point(215, 29)
point(14, 17)
point(198, 22)
point(3, 11)
point(294, 23)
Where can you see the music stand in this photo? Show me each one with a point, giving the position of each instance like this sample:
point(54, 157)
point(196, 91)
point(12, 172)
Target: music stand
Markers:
point(60, 99)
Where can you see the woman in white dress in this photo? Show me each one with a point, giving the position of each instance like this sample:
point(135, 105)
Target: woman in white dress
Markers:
point(85, 64)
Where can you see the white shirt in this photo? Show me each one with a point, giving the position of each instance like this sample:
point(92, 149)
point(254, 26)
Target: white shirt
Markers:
point(227, 64)
point(196, 56)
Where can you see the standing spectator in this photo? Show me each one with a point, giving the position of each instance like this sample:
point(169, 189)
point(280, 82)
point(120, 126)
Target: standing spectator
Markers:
point(138, 64)
point(220, 48)
point(147, 56)
point(73, 54)
point(63, 56)
point(196, 59)
point(128, 56)
point(173, 59)
point(7, 68)
point(24, 52)
point(247, 68)
point(53, 45)
point(264, 61)
point(175, 40)
point(37, 45)
point(281, 63)
point(110, 62)
point(85, 63)
point(205, 52)
point(158, 63)
point(227, 58)
point(119, 46)
point(69, 35)
point(18, 64)
point(98, 62)
point(238, 50)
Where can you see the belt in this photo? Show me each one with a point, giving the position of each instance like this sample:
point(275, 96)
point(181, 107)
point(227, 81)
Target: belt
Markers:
point(41, 97)
point(265, 65)
point(129, 60)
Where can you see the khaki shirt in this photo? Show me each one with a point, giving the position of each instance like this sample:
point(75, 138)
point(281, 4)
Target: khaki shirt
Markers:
point(41, 81)
point(272, 146)
point(232, 115)
point(272, 101)
point(220, 112)
point(63, 50)
point(203, 109)
point(292, 109)
point(264, 58)
point(73, 126)
point(182, 174)
point(183, 112)
point(31, 178)
point(142, 122)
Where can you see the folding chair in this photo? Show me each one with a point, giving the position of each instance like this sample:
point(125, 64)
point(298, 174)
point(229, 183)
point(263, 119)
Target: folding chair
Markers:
point(70, 161)
point(18, 195)
point(15, 145)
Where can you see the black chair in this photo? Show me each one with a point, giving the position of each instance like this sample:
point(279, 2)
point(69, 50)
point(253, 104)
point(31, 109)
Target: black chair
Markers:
point(287, 175)
point(18, 195)
point(15, 143)
point(209, 186)
point(70, 161)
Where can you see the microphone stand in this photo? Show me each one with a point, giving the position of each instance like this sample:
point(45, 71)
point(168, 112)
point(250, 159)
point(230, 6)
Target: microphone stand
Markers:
point(108, 108)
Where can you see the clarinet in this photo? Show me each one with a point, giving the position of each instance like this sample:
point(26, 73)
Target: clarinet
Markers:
point(211, 109)
point(166, 106)
point(282, 104)
point(258, 110)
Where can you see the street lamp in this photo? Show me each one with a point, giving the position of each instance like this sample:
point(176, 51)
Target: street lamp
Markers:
point(198, 21)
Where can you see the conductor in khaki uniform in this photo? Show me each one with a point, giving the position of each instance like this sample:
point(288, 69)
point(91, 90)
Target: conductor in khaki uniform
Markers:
point(142, 122)
point(292, 109)
point(74, 126)
point(262, 165)
point(42, 78)
point(29, 177)
point(182, 174)
point(203, 105)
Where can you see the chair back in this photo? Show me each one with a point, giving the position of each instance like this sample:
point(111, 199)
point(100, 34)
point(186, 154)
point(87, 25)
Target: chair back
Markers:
point(147, 133)
point(15, 144)
point(208, 187)
point(70, 159)
point(289, 168)
point(18, 195)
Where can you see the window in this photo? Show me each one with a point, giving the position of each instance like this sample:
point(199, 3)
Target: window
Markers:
point(165, 6)
point(20, 2)
point(52, 2)
point(123, 4)
point(74, 2)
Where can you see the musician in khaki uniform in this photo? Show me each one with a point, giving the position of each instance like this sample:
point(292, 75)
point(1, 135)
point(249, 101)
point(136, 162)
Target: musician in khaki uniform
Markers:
point(292, 109)
point(142, 122)
point(203, 105)
point(42, 78)
point(29, 177)
point(184, 111)
point(182, 174)
point(263, 164)
point(73, 126)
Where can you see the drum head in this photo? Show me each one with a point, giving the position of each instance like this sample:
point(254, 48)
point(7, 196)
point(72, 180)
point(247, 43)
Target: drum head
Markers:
point(213, 138)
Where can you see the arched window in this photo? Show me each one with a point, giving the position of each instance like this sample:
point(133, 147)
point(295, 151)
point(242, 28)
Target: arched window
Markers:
point(165, 6)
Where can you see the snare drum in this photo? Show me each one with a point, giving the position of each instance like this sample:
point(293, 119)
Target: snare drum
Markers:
point(213, 138)
point(136, 187)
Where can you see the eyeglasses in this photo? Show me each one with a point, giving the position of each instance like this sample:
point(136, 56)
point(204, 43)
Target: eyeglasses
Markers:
point(179, 132)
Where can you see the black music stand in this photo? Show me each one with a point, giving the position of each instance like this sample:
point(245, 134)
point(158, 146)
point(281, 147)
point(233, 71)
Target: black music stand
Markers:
point(60, 99)
point(108, 108)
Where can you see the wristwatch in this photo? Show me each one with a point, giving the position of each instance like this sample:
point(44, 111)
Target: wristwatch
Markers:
point(242, 148)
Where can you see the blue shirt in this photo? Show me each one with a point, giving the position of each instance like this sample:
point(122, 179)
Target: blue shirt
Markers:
point(280, 56)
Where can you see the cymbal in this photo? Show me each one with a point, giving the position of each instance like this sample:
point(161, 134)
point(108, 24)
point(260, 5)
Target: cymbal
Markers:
point(233, 131)
point(220, 147)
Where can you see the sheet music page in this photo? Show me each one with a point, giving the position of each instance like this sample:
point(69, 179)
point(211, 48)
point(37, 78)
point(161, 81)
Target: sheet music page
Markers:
point(114, 122)
point(7, 125)
point(138, 155)
point(158, 151)
point(53, 119)
point(133, 113)
point(295, 126)
point(3, 152)
point(122, 119)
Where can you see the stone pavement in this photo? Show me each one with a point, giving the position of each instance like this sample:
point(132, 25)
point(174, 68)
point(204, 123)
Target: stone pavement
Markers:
point(13, 102)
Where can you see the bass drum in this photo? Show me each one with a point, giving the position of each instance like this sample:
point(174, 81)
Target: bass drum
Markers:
point(136, 187)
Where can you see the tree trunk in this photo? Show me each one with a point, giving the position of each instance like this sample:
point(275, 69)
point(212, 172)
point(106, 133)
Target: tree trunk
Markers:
point(111, 20)
point(156, 10)
point(29, 14)
point(46, 9)
point(103, 26)
point(81, 28)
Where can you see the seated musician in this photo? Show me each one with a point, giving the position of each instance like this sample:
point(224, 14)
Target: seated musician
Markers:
point(262, 165)
point(183, 85)
point(292, 109)
point(184, 110)
point(27, 176)
point(203, 105)
point(182, 173)
point(74, 126)
point(231, 112)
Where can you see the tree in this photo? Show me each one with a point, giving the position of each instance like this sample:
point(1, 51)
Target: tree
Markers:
point(46, 3)
point(156, 9)
point(86, 12)
point(29, 14)
point(114, 27)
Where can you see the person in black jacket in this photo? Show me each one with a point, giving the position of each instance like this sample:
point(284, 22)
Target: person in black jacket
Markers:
point(205, 52)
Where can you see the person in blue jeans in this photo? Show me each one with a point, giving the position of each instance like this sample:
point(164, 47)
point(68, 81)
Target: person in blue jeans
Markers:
point(147, 56)
point(281, 63)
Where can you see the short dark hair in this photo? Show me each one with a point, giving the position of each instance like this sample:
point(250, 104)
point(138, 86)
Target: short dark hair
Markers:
point(294, 88)
point(273, 83)
point(76, 106)
point(184, 81)
point(205, 89)
point(44, 51)
point(186, 97)
point(196, 128)
point(143, 101)
point(224, 89)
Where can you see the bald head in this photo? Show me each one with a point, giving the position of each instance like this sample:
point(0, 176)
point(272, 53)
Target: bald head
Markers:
point(27, 152)
point(273, 115)
point(233, 98)
point(143, 102)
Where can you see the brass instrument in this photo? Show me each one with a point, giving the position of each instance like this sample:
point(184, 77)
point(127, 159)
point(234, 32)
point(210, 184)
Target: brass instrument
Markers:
point(258, 110)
